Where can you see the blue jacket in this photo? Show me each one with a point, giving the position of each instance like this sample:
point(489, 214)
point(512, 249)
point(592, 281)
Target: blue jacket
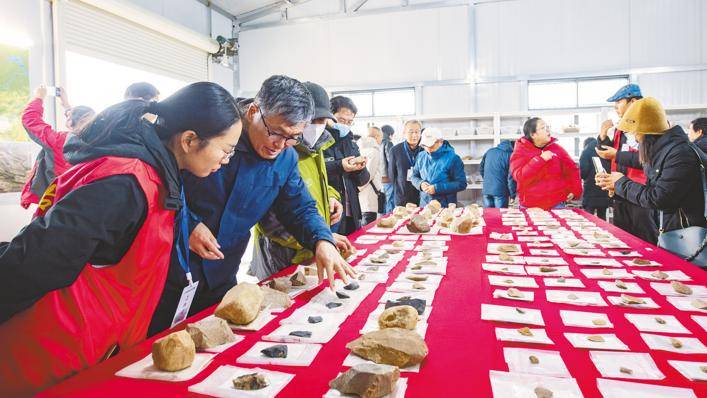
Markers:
point(442, 168)
point(231, 201)
point(495, 168)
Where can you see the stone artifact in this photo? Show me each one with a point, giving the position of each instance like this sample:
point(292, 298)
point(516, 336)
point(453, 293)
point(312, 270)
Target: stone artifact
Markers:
point(626, 299)
point(681, 288)
point(542, 392)
point(596, 338)
point(241, 304)
point(352, 286)
point(392, 346)
point(342, 295)
point(333, 305)
point(418, 224)
point(525, 331)
point(250, 382)
point(282, 284)
point(403, 317)
point(386, 222)
point(367, 380)
point(298, 279)
point(301, 333)
point(314, 319)
point(210, 332)
point(660, 275)
point(173, 352)
point(276, 351)
point(275, 299)
point(416, 303)
point(675, 342)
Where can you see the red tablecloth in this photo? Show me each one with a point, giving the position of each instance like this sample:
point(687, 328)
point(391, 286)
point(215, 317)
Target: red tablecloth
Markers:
point(463, 348)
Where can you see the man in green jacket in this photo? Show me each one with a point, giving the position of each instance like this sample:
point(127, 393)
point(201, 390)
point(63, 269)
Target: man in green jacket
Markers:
point(274, 247)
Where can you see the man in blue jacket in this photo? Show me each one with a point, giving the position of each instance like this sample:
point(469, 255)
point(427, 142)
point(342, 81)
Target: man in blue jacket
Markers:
point(262, 175)
point(438, 172)
point(499, 184)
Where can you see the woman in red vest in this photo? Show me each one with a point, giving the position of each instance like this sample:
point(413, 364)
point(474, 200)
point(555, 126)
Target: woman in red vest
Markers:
point(84, 278)
point(546, 175)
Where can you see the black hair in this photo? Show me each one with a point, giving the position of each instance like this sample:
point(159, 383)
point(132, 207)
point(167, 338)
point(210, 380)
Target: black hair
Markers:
point(589, 141)
point(645, 148)
point(387, 130)
point(205, 108)
point(142, 90)
point(78, 113)
point(700, 124)
point(340, 101)
point(530, 126)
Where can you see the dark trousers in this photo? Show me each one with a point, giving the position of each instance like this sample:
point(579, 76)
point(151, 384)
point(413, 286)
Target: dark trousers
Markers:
point(635, 220)
point(597, 211)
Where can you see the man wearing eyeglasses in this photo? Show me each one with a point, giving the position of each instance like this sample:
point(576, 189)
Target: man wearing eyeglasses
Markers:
point(346, 168)
point(263, 175)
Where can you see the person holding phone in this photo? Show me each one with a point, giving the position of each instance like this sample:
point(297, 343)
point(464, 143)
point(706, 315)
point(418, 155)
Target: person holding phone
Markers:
point(594, 200)
point(622, 150)
point(50, 160)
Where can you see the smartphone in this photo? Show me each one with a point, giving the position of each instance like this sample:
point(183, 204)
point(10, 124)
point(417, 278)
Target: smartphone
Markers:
point(53, 91)
point(598, 167)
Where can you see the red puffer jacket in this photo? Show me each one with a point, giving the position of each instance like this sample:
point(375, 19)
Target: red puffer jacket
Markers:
point(542, 183)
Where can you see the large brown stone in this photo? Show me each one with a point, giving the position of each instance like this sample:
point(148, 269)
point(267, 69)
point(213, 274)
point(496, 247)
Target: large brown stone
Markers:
point(298, 279)
point(241, 304)
point(367, 380)
point(275, 299)
point(173, 352)
point(463, 225)
point(386, 222)
point(418, 224)
point(392, 346)
point(403, 316)
point(210, 332)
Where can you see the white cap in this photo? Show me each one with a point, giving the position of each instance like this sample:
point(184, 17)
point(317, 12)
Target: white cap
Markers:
point(430, 136)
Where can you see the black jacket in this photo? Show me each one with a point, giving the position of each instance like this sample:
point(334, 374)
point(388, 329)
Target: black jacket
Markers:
point(701, 143)
point(593, 196)
point(345, 183)
point(674, 183)
point(398, 166)
point(95, 223)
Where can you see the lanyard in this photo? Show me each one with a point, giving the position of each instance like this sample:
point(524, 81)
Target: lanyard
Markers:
point(183, 237)
point(411, 158)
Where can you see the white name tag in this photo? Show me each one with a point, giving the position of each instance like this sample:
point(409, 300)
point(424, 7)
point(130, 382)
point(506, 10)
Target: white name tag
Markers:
point(409, 178)
point(185, 303)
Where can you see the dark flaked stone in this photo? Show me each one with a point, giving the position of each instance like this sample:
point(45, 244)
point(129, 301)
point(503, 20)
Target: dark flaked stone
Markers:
point(342, 295)
point(333, 305)
point(417, 304)
point(352, 286)
point(314, 319)
point(301, 333)
point(250, 382)
point(276, 351)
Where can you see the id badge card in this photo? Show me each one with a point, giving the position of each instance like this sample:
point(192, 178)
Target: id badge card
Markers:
point(409, 177)
point(185, 303)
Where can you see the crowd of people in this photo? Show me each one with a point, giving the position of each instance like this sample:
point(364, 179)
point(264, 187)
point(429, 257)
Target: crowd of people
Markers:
point(145, 210)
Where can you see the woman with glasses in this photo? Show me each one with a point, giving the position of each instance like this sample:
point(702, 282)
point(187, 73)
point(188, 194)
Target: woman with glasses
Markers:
point(86, 274)
point(546, 175)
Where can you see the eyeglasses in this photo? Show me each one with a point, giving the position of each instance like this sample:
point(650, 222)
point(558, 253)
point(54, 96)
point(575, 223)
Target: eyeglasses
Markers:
point(289, 141)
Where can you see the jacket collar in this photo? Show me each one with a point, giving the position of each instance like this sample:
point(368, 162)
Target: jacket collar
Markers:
point(675, 135)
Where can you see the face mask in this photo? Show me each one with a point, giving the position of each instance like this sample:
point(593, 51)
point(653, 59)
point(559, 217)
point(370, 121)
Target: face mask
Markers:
point(344, 130)
point(312, 133)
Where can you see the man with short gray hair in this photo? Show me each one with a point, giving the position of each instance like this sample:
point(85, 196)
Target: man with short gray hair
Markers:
point(263, 175)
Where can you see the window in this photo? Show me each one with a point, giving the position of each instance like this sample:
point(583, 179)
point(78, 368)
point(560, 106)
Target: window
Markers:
point(99, 83)
point(393, 102)
point(572, 93)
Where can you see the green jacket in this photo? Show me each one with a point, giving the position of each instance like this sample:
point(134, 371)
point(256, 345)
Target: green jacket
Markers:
point(313, 172)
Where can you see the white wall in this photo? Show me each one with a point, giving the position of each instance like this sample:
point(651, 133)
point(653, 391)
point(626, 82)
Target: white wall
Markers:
point(511, 42)
point(388, 48)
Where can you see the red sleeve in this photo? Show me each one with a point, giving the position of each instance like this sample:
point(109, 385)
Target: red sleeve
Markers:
point(526, 168)
point(39, 130)
point(570, 172)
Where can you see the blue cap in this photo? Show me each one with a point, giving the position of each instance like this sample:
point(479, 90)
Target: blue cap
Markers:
point(627, 91)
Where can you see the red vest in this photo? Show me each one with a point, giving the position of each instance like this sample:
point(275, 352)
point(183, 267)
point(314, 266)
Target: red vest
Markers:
point(72, 328)
point(634, 174)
